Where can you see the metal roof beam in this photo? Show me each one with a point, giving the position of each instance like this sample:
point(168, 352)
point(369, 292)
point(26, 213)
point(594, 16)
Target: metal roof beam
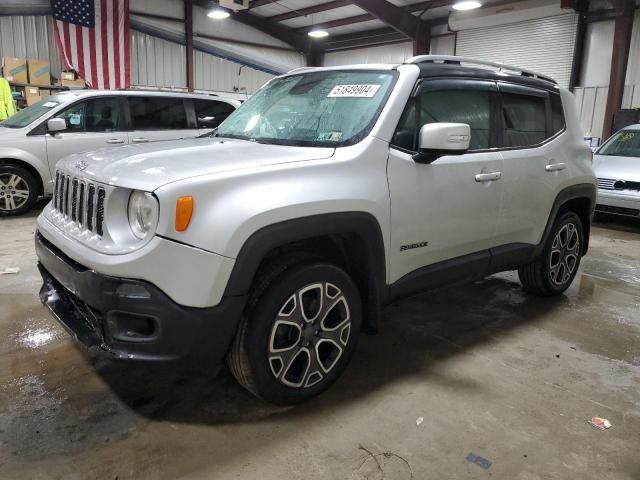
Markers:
point(303, 12)
point(396, 17)
point(341, 22)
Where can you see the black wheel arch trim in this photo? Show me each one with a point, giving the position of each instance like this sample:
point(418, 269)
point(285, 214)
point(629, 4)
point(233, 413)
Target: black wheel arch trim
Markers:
point(574, 192)
point(361, 224)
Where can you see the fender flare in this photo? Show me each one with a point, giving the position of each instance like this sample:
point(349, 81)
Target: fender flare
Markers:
point(574, 192)
point(364, 225)
point(17, 156)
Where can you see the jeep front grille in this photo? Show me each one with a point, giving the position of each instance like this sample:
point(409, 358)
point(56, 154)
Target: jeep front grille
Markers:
point(80, 201)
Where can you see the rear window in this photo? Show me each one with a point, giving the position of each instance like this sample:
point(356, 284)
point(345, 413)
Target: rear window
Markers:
point(157, 113)
point(557, 113)
point(211, 113)
point(524, 120)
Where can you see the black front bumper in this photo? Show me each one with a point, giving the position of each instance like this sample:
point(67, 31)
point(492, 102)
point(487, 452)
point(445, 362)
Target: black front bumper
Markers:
point(132, 319)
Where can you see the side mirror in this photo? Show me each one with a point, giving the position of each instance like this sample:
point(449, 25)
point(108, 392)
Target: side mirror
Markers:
point(439, 139)
point(56, 125)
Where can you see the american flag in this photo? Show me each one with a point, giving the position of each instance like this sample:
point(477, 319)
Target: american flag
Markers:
point(93, 39)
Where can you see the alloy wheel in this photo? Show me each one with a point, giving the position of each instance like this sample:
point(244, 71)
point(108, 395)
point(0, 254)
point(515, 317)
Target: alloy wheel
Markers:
point(564, 256)
point(14, 191)
point(309, 335)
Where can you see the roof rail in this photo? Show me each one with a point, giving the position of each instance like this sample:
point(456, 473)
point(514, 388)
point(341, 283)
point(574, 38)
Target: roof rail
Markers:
point(460, 60)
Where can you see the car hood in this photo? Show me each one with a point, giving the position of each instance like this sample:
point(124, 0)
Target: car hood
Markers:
point(6, 132)
point(617, 168)
point(149, 166)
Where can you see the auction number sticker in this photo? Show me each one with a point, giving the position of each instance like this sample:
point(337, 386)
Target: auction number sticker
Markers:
point(357, 91)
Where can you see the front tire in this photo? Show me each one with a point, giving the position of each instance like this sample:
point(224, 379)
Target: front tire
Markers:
point(298, 334)
point(554, 269)
point(18, 190)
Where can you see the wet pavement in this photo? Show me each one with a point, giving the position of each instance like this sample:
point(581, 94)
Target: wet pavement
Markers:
point(507, 376)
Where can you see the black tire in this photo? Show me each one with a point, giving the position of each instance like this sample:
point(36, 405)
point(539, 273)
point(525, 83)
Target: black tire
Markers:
point(15, 176)
point(270, 376)
point(539, 277)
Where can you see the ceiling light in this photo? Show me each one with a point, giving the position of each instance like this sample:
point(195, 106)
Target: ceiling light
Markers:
point(466, 5)
point(318, 33)
point(218, 14)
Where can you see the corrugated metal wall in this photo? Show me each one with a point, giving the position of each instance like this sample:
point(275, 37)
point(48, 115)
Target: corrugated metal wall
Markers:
point(156, 62)
point(29, 37)
point(220, 75)
point(159, 63)
point(592, 101)
point(545, 45)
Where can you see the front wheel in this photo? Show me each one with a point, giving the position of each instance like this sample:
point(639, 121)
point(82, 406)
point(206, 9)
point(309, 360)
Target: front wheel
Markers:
point(298, 335)
point(554, 269)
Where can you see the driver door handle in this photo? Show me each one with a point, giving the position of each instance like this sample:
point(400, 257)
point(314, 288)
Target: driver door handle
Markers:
point(488, 177)
point(115, 141)
point(555, 167)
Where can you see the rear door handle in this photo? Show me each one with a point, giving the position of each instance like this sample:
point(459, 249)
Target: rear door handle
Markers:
point(555, 167)
point(488, 177)
point(139, 140)
point(115, 141)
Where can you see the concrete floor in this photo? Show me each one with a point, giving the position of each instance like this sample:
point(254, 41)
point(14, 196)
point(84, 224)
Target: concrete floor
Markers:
point(491, 370)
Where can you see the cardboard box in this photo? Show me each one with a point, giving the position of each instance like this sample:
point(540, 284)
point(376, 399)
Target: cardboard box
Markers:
point(68, 76)
point(15, 69)
point(32, 95)
point(73, 84)
point(39, 73)
point(45, 92)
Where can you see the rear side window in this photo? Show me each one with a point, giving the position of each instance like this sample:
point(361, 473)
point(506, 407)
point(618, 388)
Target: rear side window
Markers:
point(557, 113)
point(211, 113)
point(157, 113)
point(523, 120)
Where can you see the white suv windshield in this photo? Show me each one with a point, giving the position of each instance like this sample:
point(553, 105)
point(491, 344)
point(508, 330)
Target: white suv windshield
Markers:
point(623, 144)
point(35, 111)
point(327, 108)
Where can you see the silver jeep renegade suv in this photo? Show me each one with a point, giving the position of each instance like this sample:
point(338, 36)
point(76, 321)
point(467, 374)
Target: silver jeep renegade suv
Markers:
point(276, 241)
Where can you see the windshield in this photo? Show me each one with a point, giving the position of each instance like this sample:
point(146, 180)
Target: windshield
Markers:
point(330, 108)
point(625, 143)
point(30, 114)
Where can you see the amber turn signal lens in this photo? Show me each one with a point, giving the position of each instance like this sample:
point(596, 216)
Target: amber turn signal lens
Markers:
point(184, 209)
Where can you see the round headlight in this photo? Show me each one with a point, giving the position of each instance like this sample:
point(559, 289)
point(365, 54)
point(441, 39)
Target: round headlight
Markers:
point(143, 214)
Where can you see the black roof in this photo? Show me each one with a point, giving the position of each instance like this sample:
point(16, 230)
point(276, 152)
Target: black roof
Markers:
point(455, 70)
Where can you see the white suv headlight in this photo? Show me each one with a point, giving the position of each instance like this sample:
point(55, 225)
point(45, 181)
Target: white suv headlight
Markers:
point(143, 214)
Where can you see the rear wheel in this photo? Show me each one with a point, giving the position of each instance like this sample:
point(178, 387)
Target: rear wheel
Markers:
point(554, 269)
point(298, 335)
point(18, 190)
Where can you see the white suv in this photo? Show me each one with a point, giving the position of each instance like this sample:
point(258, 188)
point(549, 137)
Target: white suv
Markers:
point(33, 140)
point(328, 194)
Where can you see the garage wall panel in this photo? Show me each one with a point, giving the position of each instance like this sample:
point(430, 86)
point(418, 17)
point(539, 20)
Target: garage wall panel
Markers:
point(220, 75)
point(598, 50)
point(592, 101)
point(158, 62)
point(395, 53)
point(29, 37)
point(545, 45)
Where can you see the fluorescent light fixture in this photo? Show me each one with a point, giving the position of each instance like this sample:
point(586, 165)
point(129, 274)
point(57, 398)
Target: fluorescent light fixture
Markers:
point(218, 14)
point(318, 33)
point(466, 5)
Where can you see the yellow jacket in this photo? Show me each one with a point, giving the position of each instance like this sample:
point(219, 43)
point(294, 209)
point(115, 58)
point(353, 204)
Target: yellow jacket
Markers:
point(7, 107)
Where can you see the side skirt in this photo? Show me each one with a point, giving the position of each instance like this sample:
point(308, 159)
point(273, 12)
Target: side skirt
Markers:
point(463, 269)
